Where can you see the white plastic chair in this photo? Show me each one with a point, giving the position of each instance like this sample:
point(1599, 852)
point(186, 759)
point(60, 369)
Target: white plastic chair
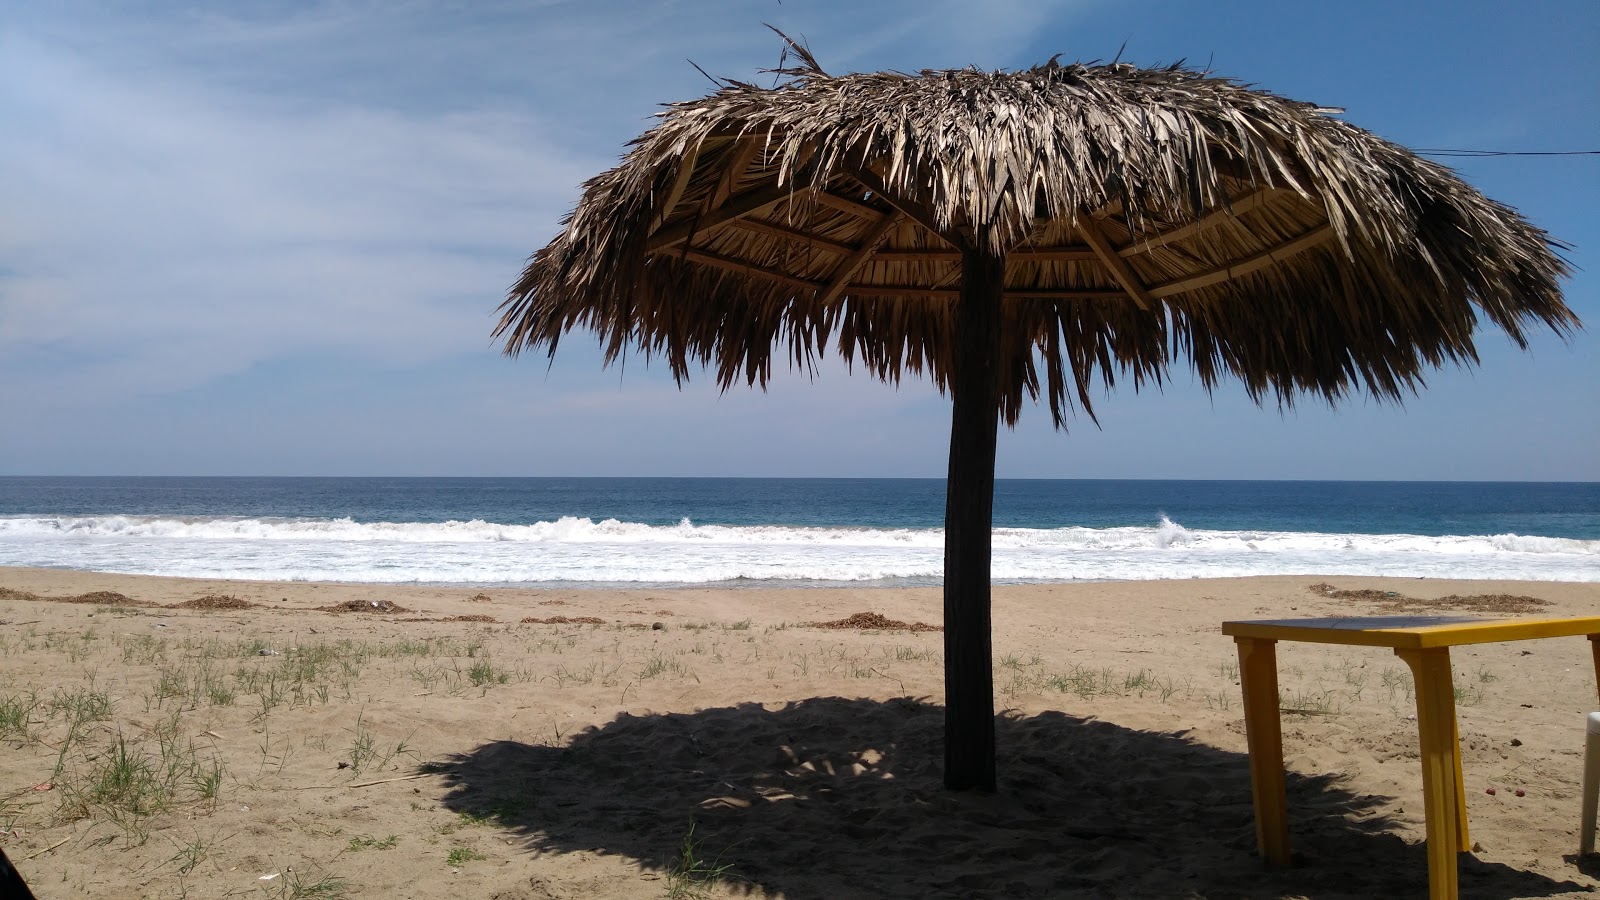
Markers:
point(1591, 782)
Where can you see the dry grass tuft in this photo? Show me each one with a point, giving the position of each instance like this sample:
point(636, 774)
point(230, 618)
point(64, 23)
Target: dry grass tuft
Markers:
point(871, 621)
point(98, 598)
point(106, 598)
point(366, 606)
point(1393, 601)
point(564, 620)
point(216, 601)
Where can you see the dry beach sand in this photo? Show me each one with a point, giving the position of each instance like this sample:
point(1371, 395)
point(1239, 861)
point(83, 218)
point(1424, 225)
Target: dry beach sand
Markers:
point(179, 738)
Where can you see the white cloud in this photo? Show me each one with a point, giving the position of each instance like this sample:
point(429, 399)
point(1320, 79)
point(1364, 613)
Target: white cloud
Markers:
point(161, 225)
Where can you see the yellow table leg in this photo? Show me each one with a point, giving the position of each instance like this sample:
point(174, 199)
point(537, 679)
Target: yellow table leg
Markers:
point(1463, 843)
point(1594, 648)
point(1258, 676)
point(1441, 766)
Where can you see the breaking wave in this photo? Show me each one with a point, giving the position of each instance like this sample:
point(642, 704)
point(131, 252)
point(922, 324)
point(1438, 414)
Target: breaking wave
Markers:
point(608, 551)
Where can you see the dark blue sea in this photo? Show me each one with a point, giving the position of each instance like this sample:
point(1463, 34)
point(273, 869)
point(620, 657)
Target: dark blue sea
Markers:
point(788, 531)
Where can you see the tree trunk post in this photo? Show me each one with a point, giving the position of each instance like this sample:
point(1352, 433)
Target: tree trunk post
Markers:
point(968, 524)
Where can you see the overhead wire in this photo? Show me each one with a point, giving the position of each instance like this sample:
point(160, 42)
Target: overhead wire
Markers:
point(1434, 151)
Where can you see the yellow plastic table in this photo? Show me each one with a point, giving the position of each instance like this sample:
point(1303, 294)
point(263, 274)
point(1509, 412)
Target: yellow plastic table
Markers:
point(1424, 643)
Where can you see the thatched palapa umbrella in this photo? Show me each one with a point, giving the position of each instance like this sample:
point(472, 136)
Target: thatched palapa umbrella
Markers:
point(1017, 234)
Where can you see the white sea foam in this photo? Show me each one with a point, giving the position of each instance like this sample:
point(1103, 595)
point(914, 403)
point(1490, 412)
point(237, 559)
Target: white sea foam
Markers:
point(611, 551)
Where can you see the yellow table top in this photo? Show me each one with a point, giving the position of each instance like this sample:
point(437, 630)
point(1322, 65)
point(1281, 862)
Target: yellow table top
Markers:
point(1410, 632)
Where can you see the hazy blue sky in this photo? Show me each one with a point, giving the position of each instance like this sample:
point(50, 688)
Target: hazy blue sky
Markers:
point(269, 238)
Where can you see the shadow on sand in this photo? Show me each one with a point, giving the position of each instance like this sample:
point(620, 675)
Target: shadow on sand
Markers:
point(831, 797)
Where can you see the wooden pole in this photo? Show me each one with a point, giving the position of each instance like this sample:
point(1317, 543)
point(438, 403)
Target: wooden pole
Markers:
point(968, 523)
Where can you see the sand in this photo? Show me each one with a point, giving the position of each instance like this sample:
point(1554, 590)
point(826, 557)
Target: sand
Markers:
point(172, 738)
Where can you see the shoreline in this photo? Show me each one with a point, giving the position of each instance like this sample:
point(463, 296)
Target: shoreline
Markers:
point(45, 574)
point(541, 743)
point(1564, 597)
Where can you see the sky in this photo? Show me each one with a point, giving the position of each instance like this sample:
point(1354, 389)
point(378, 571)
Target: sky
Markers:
point(270, 238)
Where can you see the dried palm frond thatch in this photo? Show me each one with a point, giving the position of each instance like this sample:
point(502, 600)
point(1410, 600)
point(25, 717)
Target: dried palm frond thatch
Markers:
point(1144, 215)
point(1017, 234)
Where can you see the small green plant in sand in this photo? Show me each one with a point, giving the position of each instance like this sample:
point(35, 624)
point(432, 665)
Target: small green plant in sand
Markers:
point(693, 876)
point(207, 780)
point(460, 856)
point(502, 812)
point(124, 777)
point(363, 749)
point(82, 706)
point(904, 653)
point(294, 885)
point(191, 854)
point(1355, 676)
point(365, 753)
point(1396, 681)
point(144, 649)
point(1310, 703)
point(483, 674)
point(14, 712)
point(660, 665)
point(102, 774)
point(128, 781)
point(368, 842)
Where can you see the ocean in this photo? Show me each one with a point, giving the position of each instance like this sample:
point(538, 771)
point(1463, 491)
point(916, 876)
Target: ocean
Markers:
point(788, 531)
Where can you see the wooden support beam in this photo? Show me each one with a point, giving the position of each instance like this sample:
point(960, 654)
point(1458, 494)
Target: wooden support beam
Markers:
point(906, 290)
point(680, 183)
point(1031, 254)
point(728, 263)
point(738, 207)
point(1050, 294)
point(1247, 265)
point(914, 211)
point(1215, 217)
point(1053, 254)
point(793, 234)
point(1225, 273)
point(854, 262)
point(943, 256)
point(900, 290)
point(951, 277)
point(740, 157)
point(846, 205)
point(1113, 207)
point(1118, 266)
